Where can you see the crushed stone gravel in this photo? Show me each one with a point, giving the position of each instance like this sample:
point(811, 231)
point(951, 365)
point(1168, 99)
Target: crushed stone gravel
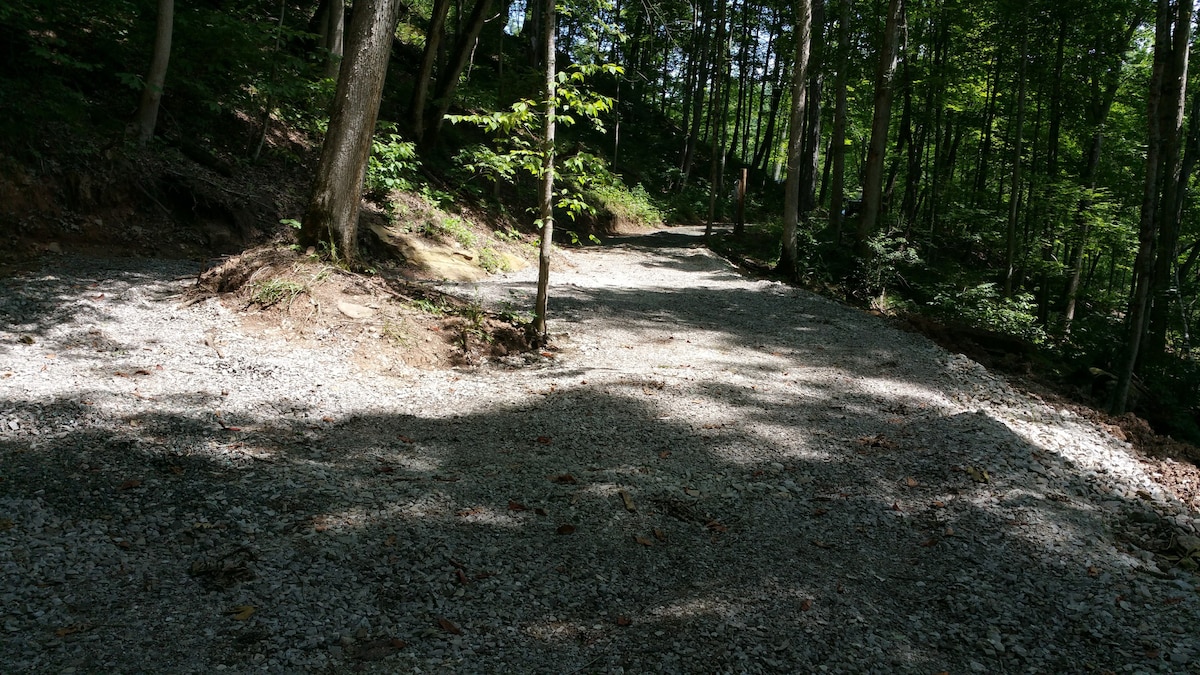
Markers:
point(712, 473)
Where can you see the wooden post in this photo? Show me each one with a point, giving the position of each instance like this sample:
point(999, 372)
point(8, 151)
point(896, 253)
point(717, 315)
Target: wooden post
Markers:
point(739, 225)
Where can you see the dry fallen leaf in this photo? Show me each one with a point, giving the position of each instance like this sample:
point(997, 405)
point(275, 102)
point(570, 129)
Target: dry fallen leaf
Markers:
point(805, 604)
point(978, 475)
point(384, 468)
point(541, 512)
point(73, 628)
point(820, 512)
point(691, 492)
point(544, 440)
point(6, 524)
point(405, 439)
point(242, 612)
point(448, 625)
point(664, 454)
point(660, 535)
point(911, 482)
point(462, 577)
point(628, 501)
point(644, 541)
point(566, 528)
point(378, 649)
point(716, 526)
point(929, 542)
point(515, 506)
point(820, 544)
point(464, 513)
point(130, 484)
point(564, 479)
point(1093, 571)
point(939, 505)
point(327, 419)
point(624, 620)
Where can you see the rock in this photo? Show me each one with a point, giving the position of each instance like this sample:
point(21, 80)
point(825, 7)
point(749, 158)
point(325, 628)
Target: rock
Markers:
point(355, 311)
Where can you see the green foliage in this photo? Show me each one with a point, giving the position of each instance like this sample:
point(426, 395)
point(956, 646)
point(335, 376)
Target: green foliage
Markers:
point(983, 306)
point(273, 291)
point(491, 261)
point(631, 205)
point(393, 162)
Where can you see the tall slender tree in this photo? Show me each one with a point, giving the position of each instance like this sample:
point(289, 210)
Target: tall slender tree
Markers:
point(788, 258)
point(885, 75)
point(546, 184)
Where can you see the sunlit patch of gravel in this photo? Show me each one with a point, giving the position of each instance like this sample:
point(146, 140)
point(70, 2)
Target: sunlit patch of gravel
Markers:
point(707, 473)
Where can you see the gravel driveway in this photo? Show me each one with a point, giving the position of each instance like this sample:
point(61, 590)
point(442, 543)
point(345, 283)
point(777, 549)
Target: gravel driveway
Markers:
point(712, 474)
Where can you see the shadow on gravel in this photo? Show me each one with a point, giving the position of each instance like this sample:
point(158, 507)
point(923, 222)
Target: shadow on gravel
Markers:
point(396, 526)
point(497, 538)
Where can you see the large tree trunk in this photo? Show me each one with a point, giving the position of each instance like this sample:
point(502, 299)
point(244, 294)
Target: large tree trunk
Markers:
point(546, 185)
point(147, 113)
point(884, 78)
point(332, 214)
point(791, 195)
point(1165, 106)
point(717, 112)
point(420, 95)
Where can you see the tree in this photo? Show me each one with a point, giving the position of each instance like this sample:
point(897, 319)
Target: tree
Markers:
point(885, 74)
point(332, 213)
point(1164, 116)
point(791, 200)
point(147, 113)
point(546, 185)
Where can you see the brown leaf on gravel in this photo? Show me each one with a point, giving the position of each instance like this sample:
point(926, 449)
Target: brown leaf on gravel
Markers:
point(1093, 571)
point(73, 628)
point(564, 479)
point(644, 541)
point(462, 577)
point(384, 469)
point(566, 528)
point(544, 440)
point(911, 482)
point(475, 510)
point(820, 512)
point(805, 604)
point(820, 544)
point(627, 500)
point(404, 439)
point(448, 625)
point(541, 512)
point(664, 454)
point(242, 612)
point(378, 649)
point(624, 620)
point(141, 371)
point(327, 419)
point(939, 505)
point(932, 541)
point(6, 524)
point(515, 506)
point(130, 484)
point(660, 535)
point(716, 526)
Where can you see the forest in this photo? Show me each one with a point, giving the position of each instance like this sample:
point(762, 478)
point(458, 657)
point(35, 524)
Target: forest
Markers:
point(1021, 170)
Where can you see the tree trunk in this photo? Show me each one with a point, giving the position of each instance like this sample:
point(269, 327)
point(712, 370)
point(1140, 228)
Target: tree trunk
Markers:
point(332, 213)
point(1014, 199)
point(838, 143)
point(335, 24)
point(791, 200)
point(546, 184)
point(717, 115)
point(448, 79)
point(884, 77)
point(420, 95)
point(147, 113)
point(1165, 106)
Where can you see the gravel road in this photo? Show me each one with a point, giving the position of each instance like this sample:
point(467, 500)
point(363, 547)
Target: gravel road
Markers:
point(712, 474)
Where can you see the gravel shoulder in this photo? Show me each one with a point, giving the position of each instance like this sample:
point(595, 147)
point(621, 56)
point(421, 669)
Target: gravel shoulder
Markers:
point(711, 474)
